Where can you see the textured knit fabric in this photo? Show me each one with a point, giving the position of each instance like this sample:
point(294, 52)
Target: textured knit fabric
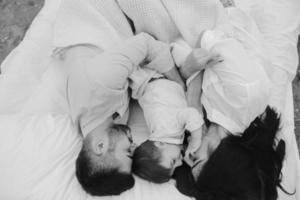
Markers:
point(168, 20)
point(112, 12)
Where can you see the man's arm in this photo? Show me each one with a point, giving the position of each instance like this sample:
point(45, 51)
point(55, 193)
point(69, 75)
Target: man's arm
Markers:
point(113, 67)
point(143, 50)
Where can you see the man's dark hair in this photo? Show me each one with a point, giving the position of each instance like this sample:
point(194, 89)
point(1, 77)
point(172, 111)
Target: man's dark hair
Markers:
point(146, 163)
point(246, 167)
point(103, 181)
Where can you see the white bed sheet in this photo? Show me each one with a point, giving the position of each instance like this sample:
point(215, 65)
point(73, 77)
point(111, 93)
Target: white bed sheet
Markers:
point(38, 145)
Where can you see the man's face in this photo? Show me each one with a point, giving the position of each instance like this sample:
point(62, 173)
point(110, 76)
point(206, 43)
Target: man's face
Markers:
point(113, 148)
point(123, 151)
point(170, 156)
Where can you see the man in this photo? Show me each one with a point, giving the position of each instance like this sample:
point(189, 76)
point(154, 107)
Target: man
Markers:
point(98, 100)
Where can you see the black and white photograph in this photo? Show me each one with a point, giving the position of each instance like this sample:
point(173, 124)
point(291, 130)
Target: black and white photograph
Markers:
point(149, 99)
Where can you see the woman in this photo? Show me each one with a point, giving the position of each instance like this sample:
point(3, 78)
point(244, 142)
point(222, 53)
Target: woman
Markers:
point(241, 167)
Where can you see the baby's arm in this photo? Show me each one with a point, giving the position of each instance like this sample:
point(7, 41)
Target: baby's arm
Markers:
point(195, 141)
point(194, 122)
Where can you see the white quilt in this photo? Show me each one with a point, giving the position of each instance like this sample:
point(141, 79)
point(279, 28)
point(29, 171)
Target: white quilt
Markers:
point(38, 144)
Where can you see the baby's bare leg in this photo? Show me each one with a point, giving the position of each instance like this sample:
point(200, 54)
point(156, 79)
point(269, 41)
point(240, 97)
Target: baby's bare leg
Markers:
point(194, 92)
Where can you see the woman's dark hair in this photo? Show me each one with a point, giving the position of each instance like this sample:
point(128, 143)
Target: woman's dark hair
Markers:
point(246, 167)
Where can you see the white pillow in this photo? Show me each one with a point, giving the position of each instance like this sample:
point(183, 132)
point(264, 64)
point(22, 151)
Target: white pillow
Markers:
point(37, 157)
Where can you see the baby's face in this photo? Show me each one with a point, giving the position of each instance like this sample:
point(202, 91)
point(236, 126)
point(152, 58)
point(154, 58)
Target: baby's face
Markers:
point(171, 156)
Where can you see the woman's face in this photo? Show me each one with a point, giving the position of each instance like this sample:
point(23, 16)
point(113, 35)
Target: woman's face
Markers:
point(210, 142)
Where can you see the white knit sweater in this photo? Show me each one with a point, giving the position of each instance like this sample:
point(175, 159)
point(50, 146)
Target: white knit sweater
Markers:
point(169, 20)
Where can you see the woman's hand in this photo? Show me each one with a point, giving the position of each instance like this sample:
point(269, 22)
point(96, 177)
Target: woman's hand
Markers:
point(198, 60)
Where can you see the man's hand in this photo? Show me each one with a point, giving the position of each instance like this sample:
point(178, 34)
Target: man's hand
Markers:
point(198, 60)
point(174, 75)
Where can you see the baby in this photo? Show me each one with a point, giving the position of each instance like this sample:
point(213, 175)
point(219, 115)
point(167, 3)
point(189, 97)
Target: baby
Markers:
point(233, 88)
point(168, 116)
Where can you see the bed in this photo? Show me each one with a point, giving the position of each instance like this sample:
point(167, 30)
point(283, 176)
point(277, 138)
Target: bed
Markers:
point(38, 143)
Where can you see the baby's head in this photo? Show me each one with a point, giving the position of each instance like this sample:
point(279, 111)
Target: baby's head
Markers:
point(156, 161)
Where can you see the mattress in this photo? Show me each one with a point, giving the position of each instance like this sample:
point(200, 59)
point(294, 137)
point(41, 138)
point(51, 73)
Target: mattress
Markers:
point(38, 142)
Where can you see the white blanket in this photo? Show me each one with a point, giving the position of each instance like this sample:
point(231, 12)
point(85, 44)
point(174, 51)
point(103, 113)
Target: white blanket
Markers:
point(38, 150)
point(169, 20)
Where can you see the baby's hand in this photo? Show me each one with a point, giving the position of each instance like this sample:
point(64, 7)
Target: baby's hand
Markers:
point(194, 143)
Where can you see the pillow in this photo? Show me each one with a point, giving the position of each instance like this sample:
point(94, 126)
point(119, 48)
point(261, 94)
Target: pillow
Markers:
point(37, 157)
